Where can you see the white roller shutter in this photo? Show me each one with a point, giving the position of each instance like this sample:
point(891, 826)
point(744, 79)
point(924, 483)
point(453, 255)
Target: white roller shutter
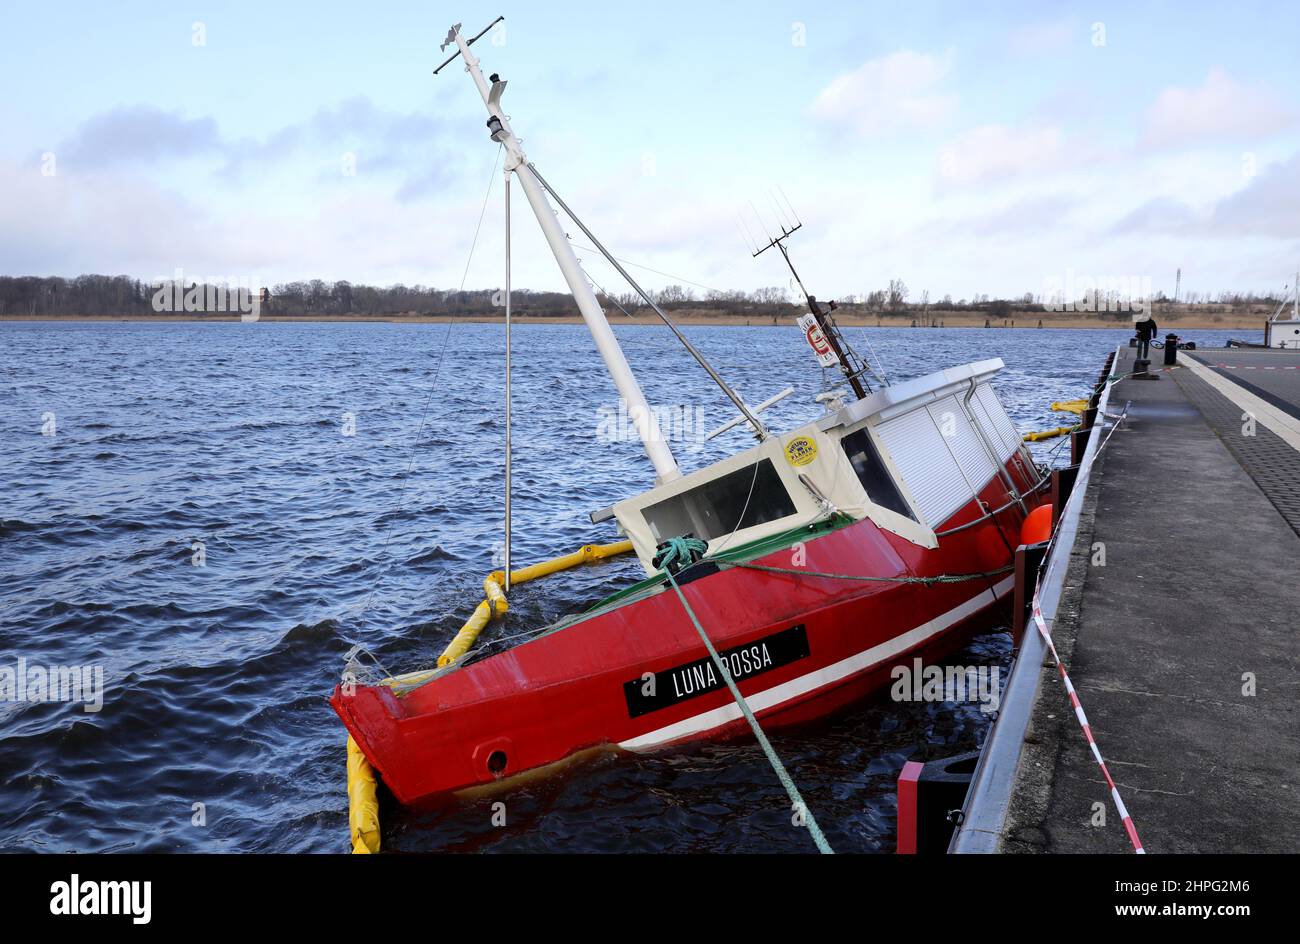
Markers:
point(929, 471)
point(990, 428)
point(963, 441)
point(997, 424)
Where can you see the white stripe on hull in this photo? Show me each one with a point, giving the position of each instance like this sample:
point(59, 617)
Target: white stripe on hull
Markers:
point(828, 675)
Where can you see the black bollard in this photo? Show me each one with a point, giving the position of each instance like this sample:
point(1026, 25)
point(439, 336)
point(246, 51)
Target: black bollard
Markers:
point(930, 800)
point(1171, 349)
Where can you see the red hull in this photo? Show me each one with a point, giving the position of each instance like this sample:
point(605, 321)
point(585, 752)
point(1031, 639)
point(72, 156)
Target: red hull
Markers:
point(582, 686)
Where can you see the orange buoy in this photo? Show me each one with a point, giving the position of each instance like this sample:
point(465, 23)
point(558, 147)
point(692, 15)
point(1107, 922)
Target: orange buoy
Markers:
point(1037, 528)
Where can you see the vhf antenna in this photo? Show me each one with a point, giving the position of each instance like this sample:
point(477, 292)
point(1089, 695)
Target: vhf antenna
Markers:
point(851, 365)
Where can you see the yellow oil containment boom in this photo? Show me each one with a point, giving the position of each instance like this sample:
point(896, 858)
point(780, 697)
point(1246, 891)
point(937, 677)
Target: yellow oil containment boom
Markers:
point(1063, 406)
point(363, 802)
point(495, 605)
point(1048, 434)
point(363, 793)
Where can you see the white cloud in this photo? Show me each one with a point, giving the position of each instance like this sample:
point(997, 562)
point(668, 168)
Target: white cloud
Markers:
point(138, 134)
point(1221, 109)
point(892, 93)
point(1266, 207)
point(998, 152)
point(110, 221)
point(1166, 215)
point(97, 221)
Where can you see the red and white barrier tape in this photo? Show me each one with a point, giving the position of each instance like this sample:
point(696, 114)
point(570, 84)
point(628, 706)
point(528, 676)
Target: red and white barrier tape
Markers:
point(1043, 631)
point(1087, 730)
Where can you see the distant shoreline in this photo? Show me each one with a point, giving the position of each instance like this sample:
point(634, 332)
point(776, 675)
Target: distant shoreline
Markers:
point(1026, 320)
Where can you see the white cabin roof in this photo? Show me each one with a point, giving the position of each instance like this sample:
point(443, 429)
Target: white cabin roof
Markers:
point(910, 394)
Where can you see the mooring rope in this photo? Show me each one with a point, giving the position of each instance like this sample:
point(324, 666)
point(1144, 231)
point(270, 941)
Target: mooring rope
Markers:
point(781, 774)
point(683, 550)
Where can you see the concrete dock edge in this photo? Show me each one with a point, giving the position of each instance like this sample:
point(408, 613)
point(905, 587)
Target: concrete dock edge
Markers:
point(989, 801)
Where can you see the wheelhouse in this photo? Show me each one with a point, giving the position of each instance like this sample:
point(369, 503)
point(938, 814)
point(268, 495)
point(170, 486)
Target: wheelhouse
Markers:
point(908, 457)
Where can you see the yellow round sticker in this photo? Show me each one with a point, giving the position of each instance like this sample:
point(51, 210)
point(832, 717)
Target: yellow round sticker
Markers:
point(801, 450)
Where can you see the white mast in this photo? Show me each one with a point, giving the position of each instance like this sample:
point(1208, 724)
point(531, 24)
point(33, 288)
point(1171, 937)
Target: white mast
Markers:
point(506, 569)
point(638, 409)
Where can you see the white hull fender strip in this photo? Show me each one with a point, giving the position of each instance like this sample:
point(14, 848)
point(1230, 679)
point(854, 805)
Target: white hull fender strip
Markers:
point(769, 698)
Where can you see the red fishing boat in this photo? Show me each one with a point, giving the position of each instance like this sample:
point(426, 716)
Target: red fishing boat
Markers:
point(801, 569)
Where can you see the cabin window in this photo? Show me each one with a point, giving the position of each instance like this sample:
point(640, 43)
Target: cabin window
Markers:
point(873, 475)
point(742, 499)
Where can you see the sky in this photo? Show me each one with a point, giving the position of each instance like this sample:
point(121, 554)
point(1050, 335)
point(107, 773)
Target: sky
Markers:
point(965, 148)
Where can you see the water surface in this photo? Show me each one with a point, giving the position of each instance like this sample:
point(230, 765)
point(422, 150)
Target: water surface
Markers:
point(344, 482)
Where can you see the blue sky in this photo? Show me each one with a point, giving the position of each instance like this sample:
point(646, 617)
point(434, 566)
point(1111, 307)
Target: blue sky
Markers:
point(963, 147)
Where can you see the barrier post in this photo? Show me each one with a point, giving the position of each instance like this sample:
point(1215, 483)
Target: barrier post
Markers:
point(1028, 559)
point(1062, 485)
point(1078, 445)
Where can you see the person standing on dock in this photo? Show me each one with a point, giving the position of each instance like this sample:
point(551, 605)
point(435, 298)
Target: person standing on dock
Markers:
point(1146, 330)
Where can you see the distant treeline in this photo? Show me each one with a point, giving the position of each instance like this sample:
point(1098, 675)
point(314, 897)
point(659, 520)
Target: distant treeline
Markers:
point(124, 295)
point(104, 295)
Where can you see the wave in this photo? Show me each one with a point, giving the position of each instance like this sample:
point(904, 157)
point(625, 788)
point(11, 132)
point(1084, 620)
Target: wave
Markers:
point(10, 526)
point(326, 630)
point(435, 553)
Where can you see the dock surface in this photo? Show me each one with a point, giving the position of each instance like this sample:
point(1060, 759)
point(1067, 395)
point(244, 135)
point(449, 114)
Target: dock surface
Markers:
point(1179, 623)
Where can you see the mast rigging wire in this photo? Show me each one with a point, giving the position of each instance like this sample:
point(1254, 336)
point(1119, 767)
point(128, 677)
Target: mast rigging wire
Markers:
point(424, 413)
point(760, 431)
point(481, 213)
point(638, 265)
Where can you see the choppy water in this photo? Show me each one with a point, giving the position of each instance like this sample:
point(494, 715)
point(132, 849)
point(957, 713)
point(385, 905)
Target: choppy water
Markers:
point(235, 436)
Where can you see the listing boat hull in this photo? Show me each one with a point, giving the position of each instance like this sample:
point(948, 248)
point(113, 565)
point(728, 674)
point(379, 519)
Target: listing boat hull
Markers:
point(638, 677)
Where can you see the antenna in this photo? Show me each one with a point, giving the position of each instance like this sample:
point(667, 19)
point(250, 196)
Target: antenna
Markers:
point(822, 319)
point(745, 234)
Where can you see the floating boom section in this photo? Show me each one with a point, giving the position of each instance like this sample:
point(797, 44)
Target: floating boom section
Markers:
point(495, 604)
